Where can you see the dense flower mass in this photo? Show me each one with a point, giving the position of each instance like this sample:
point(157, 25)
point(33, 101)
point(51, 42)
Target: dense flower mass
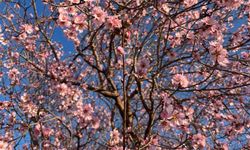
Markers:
point(218, 53)
point(119, 74)
point(99, 15)
point(114, 22)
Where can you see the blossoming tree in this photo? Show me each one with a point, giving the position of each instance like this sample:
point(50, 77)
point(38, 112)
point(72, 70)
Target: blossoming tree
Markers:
point(140, 74)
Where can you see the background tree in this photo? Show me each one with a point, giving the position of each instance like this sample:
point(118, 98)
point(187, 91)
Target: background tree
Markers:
point(125, 74)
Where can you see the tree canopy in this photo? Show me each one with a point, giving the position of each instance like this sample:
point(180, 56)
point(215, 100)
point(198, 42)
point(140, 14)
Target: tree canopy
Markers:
point(124, 74)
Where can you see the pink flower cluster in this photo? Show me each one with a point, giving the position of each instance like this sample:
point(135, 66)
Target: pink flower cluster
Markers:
point(75, 1)
point(189, 3)
point(75, 21)
point(63, 89)
point(199, 140)
point(175, 117)
point(218, 53)
point(101, 16)
point(28, 28)
point(14, 74)
point(28, 36)
point(68, 95)
point(28, 106)
point(230, 4)
point(4, 145)
point(85, 116)
point(210, 27)
point(113, 22)
point(180, 80)
point(168, 107)
point(45, 131)
point(64, 19)
point(120, 50)
point(3, 41)
point(142, 67)
point(5, 105)
point(80, 22)
point(114, 137)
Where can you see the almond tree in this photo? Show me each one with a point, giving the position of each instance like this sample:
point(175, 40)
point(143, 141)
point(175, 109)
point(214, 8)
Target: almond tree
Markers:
point(125, 74)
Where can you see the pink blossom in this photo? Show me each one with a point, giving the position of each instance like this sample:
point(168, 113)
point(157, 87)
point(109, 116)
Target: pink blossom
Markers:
point(88, 109)
point(2, 39)
point(128, 36)
point(72, 94)
point(62, 10)
point(95, 123)
point(63, 89)
point(99, 15)
point(47, 132)
point(80, 21)
point(231, 4)
point(245, 55)
point(3, 145)
point(71, 10)
point(13, 74)
point(166, 99)
point(71, 34)
point(189, 3)
point(114, 22)
point(29, 108)
point(218, 53)
point(25, 98)
point(37, 130)
point(115, 139)
point(75, 1)
point(168, 108)
point(114, 133)
point(22, 36)
point(64, 20)
point(199, 139)
point(225, 147)
point(142, 67)
point(120, 50)
point(87, 112)
point(168, 112)
point(28, 28)
point(165, 8)
point(181, 80)
point(46, 145)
